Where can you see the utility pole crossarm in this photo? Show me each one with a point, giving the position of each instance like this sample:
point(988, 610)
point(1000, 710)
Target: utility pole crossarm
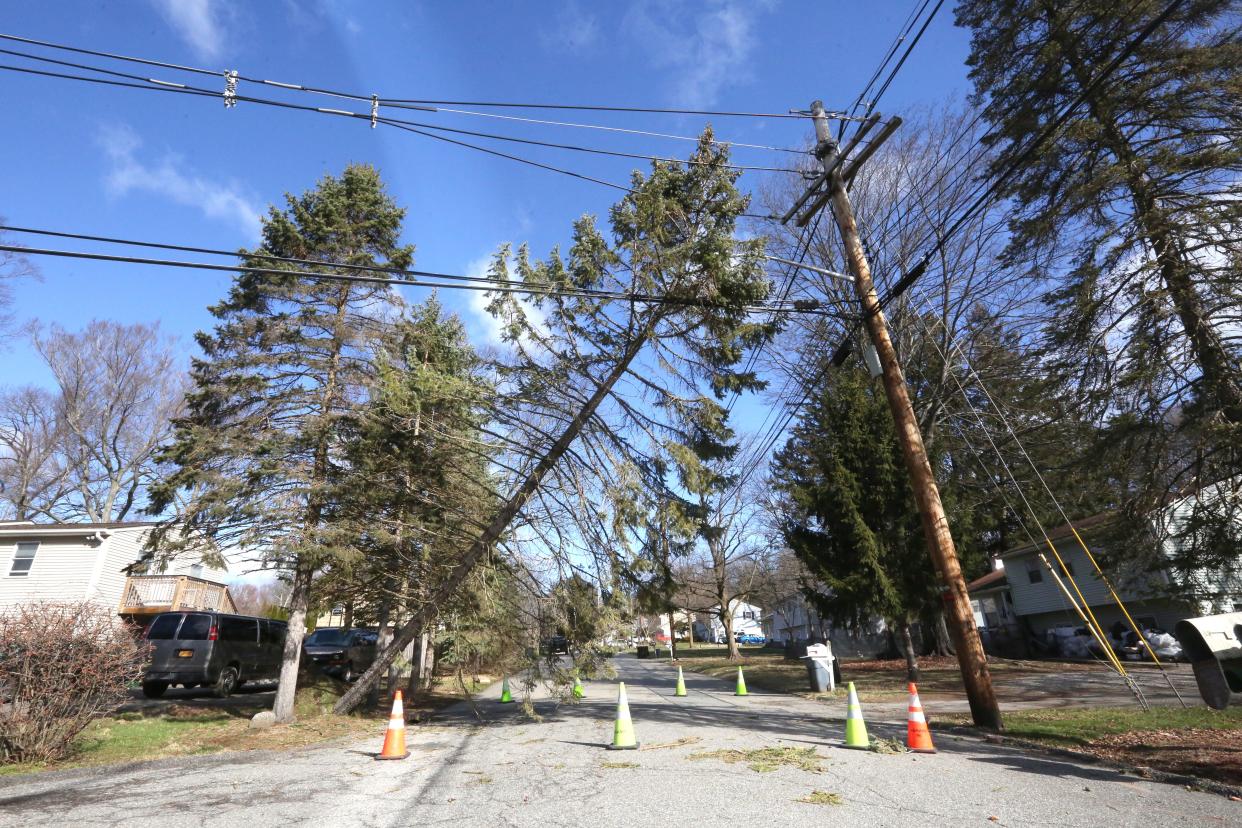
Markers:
point(838, 159)
point(975, 675)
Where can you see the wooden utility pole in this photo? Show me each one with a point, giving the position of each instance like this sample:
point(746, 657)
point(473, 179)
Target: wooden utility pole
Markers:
point(978, 680)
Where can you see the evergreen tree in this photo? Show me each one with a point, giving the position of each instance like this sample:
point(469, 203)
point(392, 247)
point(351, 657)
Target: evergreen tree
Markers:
point(418, 483)
point(278, 386)
point(680, 285)
point(848, 512)
point(1132, 214)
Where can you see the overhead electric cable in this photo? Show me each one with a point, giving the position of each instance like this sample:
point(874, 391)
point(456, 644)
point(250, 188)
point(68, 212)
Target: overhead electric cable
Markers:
point(871, 104)
point(373, 118)
point(402, 101)
point(412, 277)
point(625, 130)
point(323, 111)
point(994, 188)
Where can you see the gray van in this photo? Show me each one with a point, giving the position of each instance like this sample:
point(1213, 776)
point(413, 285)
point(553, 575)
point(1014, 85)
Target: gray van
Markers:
point(210, 649)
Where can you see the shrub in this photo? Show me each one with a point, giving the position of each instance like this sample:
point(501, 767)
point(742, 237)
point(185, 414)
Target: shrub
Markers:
point(61, 666)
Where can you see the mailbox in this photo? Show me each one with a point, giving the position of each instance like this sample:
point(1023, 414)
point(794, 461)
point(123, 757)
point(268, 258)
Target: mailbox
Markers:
point(1214, 645)
point(820, 667)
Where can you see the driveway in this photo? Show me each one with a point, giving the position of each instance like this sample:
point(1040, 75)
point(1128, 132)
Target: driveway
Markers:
point(511, 771)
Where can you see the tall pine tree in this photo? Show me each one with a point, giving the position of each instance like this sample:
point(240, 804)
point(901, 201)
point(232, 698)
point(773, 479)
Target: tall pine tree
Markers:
point(259, 452)
point(1132, 216)
point(848, 513)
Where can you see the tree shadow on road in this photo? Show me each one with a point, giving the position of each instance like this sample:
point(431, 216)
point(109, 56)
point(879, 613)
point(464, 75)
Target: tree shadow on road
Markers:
point(1041, 766)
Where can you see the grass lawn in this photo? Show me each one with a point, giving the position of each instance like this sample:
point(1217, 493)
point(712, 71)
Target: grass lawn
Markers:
point(881, 681)
point(1197, 741)
point(875, 680)
point(183, 731)
point(177, 730)
point(1082, 726)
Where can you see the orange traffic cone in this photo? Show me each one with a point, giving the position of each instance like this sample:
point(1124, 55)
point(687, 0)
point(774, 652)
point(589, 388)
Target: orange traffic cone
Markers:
point(918, 737)
point(394, 737)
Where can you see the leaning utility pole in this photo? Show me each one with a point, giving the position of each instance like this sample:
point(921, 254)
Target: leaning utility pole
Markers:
point(970, 655)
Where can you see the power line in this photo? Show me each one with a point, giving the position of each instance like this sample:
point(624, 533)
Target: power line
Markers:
point(397, 123)
point(910, 48)
point(962, 168)
point(902, 32)
point(474, 133)
point(770, 441)
point(404, 101)
point(320, 110)
point(635, 109)
point(999, 181)
point(409, 277)
point(625, 130)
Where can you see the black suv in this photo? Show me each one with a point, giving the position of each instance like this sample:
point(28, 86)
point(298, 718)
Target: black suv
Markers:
point(341, 652)
point(210, 649)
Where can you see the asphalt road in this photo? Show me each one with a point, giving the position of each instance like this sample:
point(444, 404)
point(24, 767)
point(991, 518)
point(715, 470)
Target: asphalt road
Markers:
point(511, 771)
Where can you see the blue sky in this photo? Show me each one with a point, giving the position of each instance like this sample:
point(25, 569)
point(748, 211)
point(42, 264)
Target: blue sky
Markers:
point(184, 170)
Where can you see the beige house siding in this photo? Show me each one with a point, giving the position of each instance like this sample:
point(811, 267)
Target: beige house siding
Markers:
point(81, 567)
point(61, 570)
point(1045, 596)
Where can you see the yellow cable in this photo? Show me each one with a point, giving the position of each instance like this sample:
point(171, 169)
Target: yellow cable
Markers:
point(1093, 625)
point(1116, 597)
point(1078, 609)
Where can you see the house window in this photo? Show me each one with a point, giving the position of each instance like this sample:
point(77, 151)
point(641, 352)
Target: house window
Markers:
point(1067, 568)
point(23, 559)
point(748, 615)
point(1033, 573)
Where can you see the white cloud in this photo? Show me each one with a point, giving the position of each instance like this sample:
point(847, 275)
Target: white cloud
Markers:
point(197, 21)
point(707, 52)
point(572, 29)
point(171, 178)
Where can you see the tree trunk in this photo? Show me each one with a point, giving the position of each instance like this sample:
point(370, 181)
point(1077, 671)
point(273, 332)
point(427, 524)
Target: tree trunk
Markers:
point(496, 528)
point(690, 632)
point(385, 635)
point(1220, 376)
point(726, 619)
point(292, 655)
point(429, 660)
point(944, 642)
point(422, 665)
point(672, 636)
point(348, 620)
point(907, 646)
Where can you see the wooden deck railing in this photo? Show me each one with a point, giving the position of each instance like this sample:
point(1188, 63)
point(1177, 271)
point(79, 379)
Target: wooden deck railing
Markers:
point(150, 594)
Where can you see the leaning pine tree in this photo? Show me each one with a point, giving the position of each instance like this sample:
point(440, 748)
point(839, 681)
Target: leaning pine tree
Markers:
point(661, 302)
point(258, 456)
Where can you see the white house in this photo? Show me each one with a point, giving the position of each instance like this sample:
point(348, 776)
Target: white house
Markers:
point(793, 619)
point(90, 562)
point(747, 620)
point(1041, 604)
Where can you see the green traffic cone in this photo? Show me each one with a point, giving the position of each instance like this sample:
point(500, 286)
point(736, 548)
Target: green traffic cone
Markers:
point(741, 683)
point(579, 690)
point(681, 684)
point(505, 696)
point(623, 730)
point(855, 727)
